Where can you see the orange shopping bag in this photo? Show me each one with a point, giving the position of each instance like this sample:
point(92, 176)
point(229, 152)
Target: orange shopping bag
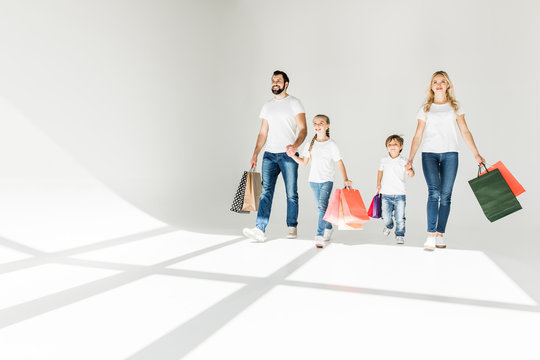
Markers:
point(515, 186)
point(354, 210)
point(332, 211)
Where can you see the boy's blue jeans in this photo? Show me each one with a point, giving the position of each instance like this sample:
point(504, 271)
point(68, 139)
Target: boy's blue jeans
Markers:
point(440, 171)
point(272, 165)
point(394, 204)
point(322, 193)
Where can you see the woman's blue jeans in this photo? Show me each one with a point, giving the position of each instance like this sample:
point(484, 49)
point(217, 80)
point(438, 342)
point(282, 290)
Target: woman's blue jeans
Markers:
point(440, 171)
point(322, 193)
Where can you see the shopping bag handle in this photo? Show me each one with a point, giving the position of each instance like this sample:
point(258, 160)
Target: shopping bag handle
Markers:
point(480, 168)
point(252, 169)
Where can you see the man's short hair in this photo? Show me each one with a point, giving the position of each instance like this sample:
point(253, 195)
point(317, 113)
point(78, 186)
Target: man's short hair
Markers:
point(282, 73)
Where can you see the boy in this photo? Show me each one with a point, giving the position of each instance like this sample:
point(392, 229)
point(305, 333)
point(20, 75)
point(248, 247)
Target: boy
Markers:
point(391, 185)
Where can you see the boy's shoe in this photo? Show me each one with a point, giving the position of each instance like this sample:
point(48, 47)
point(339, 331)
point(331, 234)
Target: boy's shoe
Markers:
point(291, 232)
point(439, 241)
point(400, 240)
point(328, 234)
point(386, 231)
point(430, 243)
point(254, 234)
point(319, 241)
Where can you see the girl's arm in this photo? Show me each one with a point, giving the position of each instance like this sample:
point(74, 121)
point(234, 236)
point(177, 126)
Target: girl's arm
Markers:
point(417, 140)
point(300, 161)
point(467, 136)
point(379, 178)
point(341, 167)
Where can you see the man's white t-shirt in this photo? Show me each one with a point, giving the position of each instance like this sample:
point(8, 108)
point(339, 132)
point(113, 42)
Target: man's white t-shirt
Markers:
point(323, 159)
point(393, 179)
point(441, 131)
point(280, 115)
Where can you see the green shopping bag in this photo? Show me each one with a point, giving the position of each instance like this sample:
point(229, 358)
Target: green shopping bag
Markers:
point(494, 195)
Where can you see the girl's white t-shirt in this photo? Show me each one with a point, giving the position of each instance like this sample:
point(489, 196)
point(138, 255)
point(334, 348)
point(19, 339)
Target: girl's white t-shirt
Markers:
point(441, 131)
point(323, 159)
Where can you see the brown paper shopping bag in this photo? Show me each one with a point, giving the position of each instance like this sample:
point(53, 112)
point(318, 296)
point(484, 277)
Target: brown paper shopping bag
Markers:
point(253, 191)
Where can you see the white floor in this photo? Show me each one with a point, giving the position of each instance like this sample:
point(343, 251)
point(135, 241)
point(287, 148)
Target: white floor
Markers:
point(86, 275)
point(178, 294)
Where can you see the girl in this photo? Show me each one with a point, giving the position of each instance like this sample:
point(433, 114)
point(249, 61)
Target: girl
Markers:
point(438, 118)
point(324, 153)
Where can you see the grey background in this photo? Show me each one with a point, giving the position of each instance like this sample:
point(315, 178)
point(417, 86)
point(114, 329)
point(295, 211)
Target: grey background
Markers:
point(160, 100)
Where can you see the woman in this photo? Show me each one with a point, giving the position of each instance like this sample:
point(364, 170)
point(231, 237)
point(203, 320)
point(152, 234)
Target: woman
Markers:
point(437, 120)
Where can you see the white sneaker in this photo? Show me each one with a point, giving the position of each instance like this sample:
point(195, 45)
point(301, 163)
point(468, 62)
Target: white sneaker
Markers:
point(319, 241)
point(400, 240)
point(439, 240)
point(386, 231)
point(430, 243)
point(254, 234)
point(328, 234)
point(291, 232)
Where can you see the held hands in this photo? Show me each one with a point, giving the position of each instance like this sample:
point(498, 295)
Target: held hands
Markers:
point(291, 150)
point(408, 166)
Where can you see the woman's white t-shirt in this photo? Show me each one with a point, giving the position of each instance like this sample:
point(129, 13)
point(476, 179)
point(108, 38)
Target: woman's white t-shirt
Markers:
point(441, 131)
point(323, 158)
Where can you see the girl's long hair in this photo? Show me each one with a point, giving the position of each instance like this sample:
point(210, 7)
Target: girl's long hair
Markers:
point(450, 95)
point(327, 119)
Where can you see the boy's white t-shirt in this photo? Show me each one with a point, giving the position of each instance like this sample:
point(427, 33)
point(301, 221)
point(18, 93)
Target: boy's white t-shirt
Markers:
point(393, 179)
point(323, 158)
point(441, 131)
point(280, 115)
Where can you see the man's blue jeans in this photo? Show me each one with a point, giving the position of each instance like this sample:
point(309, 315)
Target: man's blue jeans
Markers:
point(322, 194)
point(394, 204)
point(272, 165)
point(440, 171)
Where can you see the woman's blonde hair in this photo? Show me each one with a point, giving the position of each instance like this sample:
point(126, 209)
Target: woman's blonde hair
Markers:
point(327, 119)
point(450, 95)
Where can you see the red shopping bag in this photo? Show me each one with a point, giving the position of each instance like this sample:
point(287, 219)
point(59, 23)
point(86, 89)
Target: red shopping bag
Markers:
point(332, 211)
point(515, 186)
point(354, 210)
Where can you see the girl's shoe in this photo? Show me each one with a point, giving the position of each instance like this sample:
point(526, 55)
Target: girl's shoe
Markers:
point(439, 240)
point(430, 243)
point(328, 234)
point(319, 241)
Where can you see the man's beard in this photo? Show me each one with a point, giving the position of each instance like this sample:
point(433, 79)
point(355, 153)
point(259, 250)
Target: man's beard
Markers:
point(277, 91)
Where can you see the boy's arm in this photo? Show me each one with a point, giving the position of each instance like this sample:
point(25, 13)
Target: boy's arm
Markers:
point(379, 178)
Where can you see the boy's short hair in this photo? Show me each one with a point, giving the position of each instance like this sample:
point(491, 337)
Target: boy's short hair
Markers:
point(398, 138)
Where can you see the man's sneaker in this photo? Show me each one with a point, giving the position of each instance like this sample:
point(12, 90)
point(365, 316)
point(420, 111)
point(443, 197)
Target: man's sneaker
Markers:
point(319, 241)
point(328, 234)
point(400, 240)
point(254, 234)
point(291, 232)
point(386, 231)
point(430, 243)
point(439, 241)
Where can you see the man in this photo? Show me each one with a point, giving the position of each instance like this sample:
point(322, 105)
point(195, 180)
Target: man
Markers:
point(282, 118)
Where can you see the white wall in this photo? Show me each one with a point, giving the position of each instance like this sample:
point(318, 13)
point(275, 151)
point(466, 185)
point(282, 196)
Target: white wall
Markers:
point(160, 99)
